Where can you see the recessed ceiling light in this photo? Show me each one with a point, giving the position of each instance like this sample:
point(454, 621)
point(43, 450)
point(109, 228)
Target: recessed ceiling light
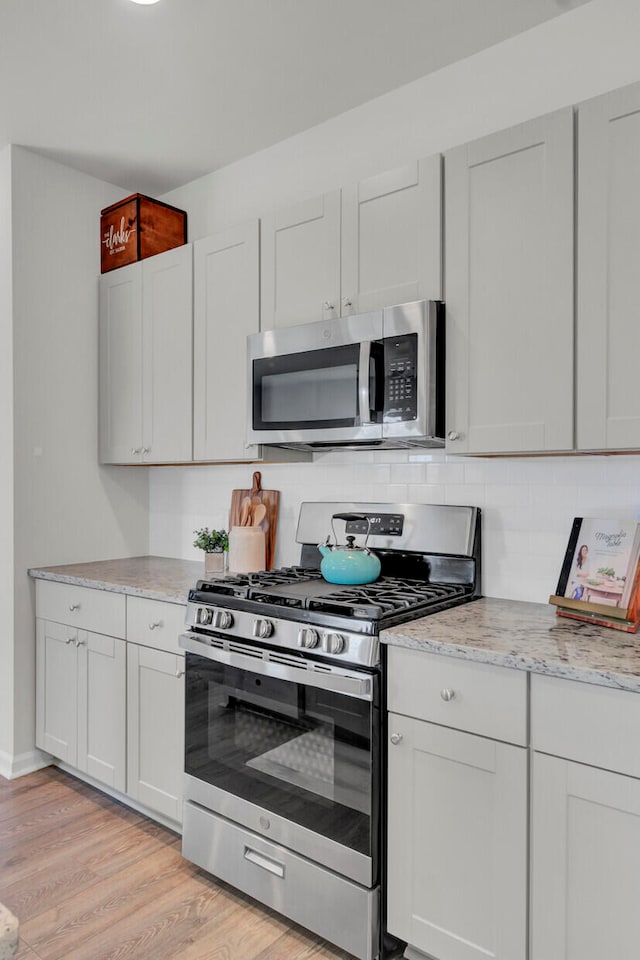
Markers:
point(144, 1)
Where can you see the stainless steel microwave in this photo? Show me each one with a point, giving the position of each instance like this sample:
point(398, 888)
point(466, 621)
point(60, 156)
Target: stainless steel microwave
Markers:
point(375, 380)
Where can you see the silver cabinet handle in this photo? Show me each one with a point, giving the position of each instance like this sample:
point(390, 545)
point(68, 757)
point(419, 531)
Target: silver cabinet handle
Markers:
point(156, 623)
point(80, 643)
point(146, 450)
point(327, 305)
point(74, 606)
point(447, 694)
point(453, 435)
point(69, 639)
point(179, 673)
point(135, 451)
point(347, 302)
point(396, 738)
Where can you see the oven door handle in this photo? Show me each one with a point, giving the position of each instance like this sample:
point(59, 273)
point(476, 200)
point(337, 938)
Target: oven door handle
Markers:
point(361, 688)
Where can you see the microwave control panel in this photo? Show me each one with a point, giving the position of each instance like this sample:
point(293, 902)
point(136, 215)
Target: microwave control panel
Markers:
point(401, 382)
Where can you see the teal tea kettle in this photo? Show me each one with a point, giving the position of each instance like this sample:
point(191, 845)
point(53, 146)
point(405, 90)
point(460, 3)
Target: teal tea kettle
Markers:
point(348, 564)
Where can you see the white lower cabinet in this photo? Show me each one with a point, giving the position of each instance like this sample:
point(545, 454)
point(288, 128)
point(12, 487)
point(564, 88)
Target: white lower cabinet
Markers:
point(585, 865)
point(155, 731)
point(457, 842)
point(113, 707)
point(457, 808)
point(81, 700)
point(585, 831)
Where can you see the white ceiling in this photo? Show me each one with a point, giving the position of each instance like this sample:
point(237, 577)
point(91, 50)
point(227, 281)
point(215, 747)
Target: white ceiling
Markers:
point(151, 97)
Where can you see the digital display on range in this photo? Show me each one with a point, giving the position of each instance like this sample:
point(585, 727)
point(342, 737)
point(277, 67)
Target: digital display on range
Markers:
point(381, 524)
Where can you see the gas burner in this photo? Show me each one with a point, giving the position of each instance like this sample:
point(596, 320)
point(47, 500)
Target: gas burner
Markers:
point(386, 596)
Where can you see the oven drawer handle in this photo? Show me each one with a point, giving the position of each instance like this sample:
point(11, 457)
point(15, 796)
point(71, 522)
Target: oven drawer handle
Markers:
point(273, 866)
point(358, 687)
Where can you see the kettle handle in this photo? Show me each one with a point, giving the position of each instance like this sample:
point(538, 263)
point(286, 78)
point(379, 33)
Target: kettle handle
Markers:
point(351, 516)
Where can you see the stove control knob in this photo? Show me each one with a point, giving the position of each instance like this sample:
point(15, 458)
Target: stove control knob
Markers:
point(333, 643)
point(204, 615)
point(222, 620)
point(308, 638)
point(262, 629)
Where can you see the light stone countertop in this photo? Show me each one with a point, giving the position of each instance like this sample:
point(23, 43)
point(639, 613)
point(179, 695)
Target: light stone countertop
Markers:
point(526, 636)
point(158, 578)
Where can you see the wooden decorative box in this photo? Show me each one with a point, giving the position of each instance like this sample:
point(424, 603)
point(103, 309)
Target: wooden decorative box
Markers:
point(139, 227)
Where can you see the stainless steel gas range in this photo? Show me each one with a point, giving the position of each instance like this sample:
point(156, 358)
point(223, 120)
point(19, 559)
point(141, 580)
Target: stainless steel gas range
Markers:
point(285, 703)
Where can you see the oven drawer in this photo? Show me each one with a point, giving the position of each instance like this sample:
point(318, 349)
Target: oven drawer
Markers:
point(155, 623)
point(283, 881)
point(98, 611)
point(476, 697)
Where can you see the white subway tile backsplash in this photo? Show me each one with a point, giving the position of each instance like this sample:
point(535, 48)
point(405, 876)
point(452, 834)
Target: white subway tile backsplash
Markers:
point(528, 503)
point(408, 472)
point(450, 472)
point(426, 493)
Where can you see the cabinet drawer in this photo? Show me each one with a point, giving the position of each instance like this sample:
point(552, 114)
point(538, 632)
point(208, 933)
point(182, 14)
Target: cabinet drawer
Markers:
point(584, 722)
point(155, 623)
point(476, 697)
point(99, 611)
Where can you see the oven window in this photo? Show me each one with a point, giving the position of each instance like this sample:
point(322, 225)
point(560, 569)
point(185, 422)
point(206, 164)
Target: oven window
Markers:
point(315, 389)
point(303, 753)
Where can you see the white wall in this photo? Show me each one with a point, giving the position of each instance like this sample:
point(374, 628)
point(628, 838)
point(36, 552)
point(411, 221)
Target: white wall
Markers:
point(6, 460)
point(528, 503)
point(65, 506)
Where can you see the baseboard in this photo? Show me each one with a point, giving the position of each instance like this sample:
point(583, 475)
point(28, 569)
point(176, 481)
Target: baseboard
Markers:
point(18, 766)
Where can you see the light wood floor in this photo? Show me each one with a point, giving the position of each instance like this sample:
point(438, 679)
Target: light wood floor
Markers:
point(90, 879)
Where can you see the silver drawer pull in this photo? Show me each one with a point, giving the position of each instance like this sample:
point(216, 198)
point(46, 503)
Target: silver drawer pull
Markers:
point(80, 643)
point(74, 606)
point(70, 639)
point(273, 866)
point(396, 738)
point(179, 673)
point(156, 623)
point(447, 694)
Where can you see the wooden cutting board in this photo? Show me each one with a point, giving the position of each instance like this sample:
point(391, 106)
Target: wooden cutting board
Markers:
point(270, 499)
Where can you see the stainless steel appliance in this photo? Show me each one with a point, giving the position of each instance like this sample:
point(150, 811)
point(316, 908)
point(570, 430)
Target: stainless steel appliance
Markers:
point(284, 742)
point(374, 380)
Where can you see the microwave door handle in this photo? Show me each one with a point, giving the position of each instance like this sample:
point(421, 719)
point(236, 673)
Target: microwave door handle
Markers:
point(364, 398)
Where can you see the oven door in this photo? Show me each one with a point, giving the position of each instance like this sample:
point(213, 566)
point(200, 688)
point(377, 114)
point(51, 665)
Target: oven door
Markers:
point(318, 382)
point(288, 749)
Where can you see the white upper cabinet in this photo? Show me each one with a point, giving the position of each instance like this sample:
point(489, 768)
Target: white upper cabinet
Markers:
point(372, 244)
point(146, 340)
point(608, 279)
point(301, 263)
point(392, 238)
point(121, 365)
point(509, 289)
point(226, 310)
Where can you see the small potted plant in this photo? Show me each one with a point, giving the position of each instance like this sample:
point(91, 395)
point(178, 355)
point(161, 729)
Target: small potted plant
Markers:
point(215, 544)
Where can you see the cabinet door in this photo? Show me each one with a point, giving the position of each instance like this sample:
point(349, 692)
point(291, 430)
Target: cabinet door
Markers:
point(167, 323)
point(155, 695)
point(102, 704)
point(392, 238)
point(586, 871)
point(120, 329)
point(226, 310)
point(300, 263)
point(608, 290)
point(457, 843)
point(56, 690)
point(509, 289)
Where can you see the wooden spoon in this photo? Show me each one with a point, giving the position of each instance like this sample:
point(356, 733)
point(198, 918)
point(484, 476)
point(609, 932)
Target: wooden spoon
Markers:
point(258, 514)
point(245, 512)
